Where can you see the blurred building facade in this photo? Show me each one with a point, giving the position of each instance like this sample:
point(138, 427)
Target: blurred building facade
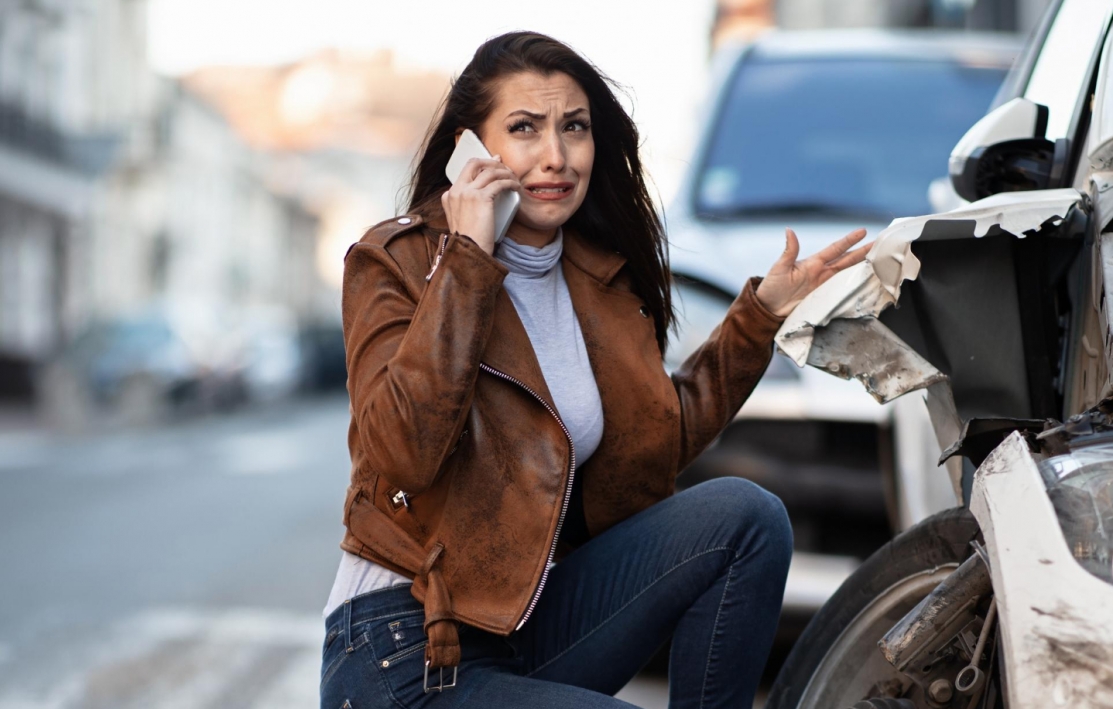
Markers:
point(341, 129)
point(71, 78)
point(121, 190)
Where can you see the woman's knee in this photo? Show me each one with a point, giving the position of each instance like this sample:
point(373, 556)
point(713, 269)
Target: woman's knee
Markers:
point(759, 515)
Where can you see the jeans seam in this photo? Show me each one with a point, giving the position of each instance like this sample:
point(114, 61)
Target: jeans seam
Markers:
point(714, 627)
point(364, 621)
point(388, 615)
point(333, 666)
point(624, 606)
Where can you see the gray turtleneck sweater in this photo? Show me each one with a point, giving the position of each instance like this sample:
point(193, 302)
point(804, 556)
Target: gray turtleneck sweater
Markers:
point(539, 292)
point(540, 295)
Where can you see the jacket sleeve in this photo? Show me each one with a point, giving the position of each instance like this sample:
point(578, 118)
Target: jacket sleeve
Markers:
point(717, 378)
point(413, 358)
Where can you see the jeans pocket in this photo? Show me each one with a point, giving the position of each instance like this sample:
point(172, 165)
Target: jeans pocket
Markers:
point(349, 682)
point(339, 652)
point(393, 636)
point(404, 674)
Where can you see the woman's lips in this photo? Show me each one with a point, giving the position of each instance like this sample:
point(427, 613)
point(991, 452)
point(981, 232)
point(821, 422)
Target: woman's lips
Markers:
point(549, 191)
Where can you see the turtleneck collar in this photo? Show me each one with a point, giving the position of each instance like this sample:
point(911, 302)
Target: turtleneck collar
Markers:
point(530, 261)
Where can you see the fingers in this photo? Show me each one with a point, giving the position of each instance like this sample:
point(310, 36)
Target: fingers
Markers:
point(836, 249)
point(842, 263)
point(475, 166)
point(850, 258)
point(496, 187)
point(487, 176)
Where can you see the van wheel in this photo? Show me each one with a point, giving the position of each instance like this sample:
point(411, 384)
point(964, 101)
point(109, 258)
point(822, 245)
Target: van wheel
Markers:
point(836, 662)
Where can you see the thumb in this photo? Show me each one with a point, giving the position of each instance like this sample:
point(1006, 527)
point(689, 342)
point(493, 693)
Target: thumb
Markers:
point(792, 250)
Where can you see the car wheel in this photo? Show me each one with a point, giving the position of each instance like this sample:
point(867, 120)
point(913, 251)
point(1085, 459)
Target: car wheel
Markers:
point(836, 661)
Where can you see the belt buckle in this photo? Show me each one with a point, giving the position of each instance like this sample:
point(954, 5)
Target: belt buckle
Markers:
point(442, 686)
point(400, 499)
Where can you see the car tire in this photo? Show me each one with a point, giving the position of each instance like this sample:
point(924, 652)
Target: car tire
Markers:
point(836, 659)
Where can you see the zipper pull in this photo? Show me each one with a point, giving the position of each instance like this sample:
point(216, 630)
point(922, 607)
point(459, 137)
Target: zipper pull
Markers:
point(440, 254)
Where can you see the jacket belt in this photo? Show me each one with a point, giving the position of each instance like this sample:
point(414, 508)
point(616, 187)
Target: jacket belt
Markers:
point(395, 546)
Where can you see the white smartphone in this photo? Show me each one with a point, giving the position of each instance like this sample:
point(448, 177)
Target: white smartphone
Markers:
point(506, 204)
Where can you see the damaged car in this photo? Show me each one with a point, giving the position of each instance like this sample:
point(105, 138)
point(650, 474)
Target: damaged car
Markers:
point(828, 131)
point(995, 318)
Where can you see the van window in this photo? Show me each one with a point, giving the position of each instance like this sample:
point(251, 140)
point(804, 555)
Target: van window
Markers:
point(860, 136)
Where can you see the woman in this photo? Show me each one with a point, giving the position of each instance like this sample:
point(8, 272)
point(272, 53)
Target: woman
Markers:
point(510, 410)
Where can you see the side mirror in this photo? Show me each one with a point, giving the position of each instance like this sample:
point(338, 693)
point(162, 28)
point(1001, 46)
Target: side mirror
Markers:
point(1006, 151)
point(942, 196)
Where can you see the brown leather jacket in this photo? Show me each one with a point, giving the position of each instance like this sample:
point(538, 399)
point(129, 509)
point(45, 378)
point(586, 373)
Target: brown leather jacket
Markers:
point(461, 466)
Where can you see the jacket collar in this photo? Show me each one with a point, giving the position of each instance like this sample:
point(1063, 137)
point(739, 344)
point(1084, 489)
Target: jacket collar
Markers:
point(509, 349)
point(599, 263)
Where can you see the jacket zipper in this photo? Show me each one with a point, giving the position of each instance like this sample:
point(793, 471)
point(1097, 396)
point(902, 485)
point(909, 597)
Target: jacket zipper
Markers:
point(567, 488)
point(437, 261)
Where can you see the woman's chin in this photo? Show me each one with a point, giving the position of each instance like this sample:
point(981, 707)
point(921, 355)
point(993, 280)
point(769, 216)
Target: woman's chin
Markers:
point(543, 219)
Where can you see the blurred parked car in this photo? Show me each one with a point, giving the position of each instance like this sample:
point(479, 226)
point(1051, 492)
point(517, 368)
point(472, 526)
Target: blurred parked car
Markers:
point(825, 132)
point(324, 367)
point(268, 353)
point(137, 365)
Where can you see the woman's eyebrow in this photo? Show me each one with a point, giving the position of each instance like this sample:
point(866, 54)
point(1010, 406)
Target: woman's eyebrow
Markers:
point(542, 116)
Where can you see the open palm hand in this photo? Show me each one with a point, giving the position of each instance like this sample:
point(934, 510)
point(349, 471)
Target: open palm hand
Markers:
point(789, 281)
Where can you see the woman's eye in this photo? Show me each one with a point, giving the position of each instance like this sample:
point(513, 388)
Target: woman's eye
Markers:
point(521, 126)
point(577, 126)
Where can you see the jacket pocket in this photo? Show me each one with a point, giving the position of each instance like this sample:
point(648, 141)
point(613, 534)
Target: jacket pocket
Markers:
point(397, 499)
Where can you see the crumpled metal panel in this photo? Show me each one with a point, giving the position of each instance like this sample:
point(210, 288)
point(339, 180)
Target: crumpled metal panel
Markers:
point(873, 285)
point(946, 422)
point(866, 350)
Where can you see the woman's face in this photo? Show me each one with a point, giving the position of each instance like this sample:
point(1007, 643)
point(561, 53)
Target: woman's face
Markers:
point(541, 128)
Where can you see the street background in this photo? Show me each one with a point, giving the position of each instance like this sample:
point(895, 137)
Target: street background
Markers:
point(179, 181)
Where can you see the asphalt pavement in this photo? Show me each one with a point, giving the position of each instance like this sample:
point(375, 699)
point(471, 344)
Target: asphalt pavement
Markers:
point(183, 565)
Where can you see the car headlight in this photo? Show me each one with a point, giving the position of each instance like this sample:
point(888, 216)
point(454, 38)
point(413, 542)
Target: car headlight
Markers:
point(1080, 485)
point(699, 310)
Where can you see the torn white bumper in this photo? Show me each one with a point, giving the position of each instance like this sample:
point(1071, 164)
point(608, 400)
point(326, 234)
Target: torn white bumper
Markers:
point(1056, 618)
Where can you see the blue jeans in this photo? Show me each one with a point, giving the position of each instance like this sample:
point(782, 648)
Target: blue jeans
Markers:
point(706, 567)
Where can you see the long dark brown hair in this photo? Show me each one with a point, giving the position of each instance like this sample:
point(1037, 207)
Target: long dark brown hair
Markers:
point(617, 212)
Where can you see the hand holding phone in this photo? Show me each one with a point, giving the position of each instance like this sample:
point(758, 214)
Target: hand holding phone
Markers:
point(476, 177)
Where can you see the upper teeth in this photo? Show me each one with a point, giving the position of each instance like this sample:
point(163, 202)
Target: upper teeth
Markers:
point(548, 189)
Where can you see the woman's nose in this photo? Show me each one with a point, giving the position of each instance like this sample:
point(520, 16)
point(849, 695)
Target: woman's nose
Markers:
point(552, 158)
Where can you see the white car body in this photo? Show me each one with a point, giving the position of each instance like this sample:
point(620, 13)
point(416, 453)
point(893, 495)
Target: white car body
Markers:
point(723, 254)
point(1055, 610)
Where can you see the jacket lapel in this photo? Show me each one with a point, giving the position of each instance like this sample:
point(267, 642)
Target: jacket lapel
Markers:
point(586, 268)
point(509, 350)
point(629, 470)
